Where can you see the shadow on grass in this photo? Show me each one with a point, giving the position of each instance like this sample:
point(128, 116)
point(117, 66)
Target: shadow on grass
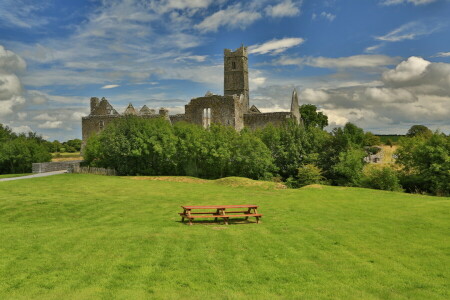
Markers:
point(212, 222)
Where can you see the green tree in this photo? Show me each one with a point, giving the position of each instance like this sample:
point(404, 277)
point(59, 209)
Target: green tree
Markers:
point(426, 163)
point(312, 118)
point(384, 178)
point(419, 130)
point(371, 140)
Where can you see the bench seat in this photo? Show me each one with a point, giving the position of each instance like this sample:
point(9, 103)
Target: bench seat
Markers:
point(220, 216)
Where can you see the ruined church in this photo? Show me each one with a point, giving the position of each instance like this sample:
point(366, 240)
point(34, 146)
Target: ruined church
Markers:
point(231, 109)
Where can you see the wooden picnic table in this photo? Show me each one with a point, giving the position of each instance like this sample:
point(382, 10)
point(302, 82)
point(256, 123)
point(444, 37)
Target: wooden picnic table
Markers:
point(219, 211)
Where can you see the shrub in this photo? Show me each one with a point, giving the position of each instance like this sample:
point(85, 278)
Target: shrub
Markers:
point(307, 174)
point(384, 178)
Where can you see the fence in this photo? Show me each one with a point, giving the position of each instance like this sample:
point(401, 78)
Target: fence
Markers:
point(92, 170)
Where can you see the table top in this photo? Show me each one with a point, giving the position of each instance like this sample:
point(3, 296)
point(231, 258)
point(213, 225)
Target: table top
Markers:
point(219, 206)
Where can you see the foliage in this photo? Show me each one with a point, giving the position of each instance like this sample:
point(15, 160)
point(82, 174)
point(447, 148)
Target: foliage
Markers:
point(426, 163)
point(18, 152)
point(307, 174)
point(389, 143)
point(154, 147)
point(371, 140)
point(384, 178)
point(419, 130)
point(312, 118)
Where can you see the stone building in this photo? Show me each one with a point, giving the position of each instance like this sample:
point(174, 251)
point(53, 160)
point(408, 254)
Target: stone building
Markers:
point(231, 109)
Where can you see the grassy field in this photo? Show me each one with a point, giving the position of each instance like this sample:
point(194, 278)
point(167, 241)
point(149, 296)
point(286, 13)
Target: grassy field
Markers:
point(394, 138)
point(79, 236)
point(66, 156)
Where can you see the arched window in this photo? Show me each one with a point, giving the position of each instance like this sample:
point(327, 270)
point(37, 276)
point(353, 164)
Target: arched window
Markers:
point(206, 117)
point(233, 65)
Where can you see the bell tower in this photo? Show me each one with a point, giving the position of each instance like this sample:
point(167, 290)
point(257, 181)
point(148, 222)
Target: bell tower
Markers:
point(236, 74)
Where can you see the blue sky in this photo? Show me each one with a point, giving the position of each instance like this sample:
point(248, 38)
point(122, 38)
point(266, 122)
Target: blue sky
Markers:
point(381, 64)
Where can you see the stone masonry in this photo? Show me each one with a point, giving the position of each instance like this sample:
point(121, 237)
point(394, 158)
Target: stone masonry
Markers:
point(231, 109)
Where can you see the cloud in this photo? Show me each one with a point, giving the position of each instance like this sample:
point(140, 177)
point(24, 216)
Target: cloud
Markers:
point(110, 86)
point(44, 117)
point(284, 9)
point(196, 58)
point(373, 48)
point(415, 2)
point(408, 31)
point(443, 54)
point(313, 96)
point(275, 46)
point(21, 129)
point(22, 13)
point(408, 70)
point(413, 91)
point(356, 61)
point(232, 17)
point(51, 125)
point(11, 92)
point(329, 16)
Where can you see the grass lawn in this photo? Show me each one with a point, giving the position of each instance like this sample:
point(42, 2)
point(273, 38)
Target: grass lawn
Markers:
point(77, 236)
point(13, 175)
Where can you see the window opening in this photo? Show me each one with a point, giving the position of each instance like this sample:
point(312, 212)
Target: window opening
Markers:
point(206, 117)
point(101, 124)
point(233, 65)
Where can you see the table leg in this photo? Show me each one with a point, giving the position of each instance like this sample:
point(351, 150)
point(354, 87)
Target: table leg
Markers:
point(248, 211)
point(222, 212)
point(217, 212)
point(189, 216)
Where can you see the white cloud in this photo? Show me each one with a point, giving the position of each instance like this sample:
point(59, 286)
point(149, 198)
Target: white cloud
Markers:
point(373, 48)
point(408, 31)
point(21, 129)
point(110, 86)
point(20, 13)
point(275, 46)
point(313, 96)
point(44, 117)
point(10, 86)
point(165, 6)
point(356, 61)
point(411, 69)
point(22, 116)
point(51, 125)
point(388, 95)
point(197, 58)
point(415, 2)
point(76, 116)
point(329, 16)
point(284, 9)
point(443, 54)
point(233, 16)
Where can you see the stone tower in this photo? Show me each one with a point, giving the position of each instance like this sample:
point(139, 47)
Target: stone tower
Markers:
point(236, 74)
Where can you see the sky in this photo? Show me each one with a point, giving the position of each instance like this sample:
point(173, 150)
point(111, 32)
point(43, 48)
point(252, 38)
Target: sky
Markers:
point(383, 65)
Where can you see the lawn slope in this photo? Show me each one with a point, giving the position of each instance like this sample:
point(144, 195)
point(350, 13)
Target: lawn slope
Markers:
point(79, 236)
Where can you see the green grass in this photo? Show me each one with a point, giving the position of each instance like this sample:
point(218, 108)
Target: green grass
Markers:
point(13, 175)
point(79, 236)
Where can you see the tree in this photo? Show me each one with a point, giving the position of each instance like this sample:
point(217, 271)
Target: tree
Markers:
point(426, 163)
point(384, 178)
point(312, 118)
point(389, 143)
point(18, 152)
point(371, 140)
point(307, 174)
point(419, 130)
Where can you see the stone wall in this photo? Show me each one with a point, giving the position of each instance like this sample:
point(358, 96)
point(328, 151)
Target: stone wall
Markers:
point(54, 166)
point(257, 121)
point(225, 110)
point(177, 118)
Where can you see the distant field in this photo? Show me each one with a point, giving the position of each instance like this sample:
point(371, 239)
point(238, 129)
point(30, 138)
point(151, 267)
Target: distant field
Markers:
point(393, 138)
point(79, 236)
point(66, 156)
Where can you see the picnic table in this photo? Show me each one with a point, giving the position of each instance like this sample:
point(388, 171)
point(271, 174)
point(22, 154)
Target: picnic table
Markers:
point(219, 211)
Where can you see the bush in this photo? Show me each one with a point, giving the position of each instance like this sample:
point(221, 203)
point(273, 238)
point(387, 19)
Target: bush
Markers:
point(384, 178)
point(307, 174)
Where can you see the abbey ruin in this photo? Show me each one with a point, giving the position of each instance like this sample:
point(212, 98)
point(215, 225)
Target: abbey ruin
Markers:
point(231, 109)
